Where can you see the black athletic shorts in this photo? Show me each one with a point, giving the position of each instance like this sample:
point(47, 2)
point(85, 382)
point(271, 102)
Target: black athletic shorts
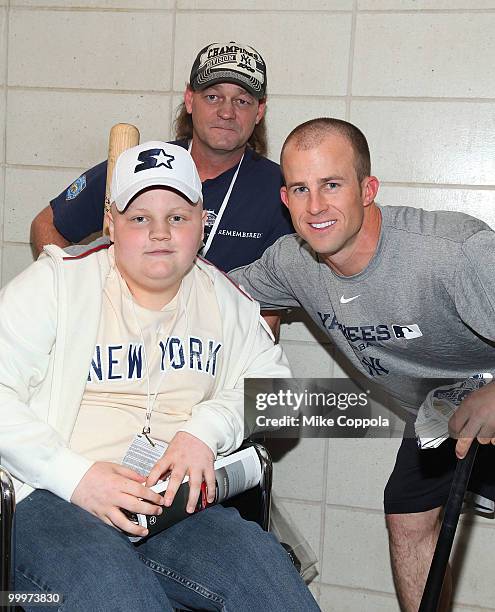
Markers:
point(421, 479)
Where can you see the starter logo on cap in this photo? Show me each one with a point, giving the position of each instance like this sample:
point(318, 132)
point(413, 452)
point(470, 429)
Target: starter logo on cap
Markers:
point(154, 158)
point(75, 189)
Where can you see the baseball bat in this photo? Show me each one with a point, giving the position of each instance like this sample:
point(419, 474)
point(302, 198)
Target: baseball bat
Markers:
point(452, 511)
point(122, 136)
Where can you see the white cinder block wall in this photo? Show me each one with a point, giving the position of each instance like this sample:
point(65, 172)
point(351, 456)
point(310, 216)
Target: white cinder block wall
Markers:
point(418, 76)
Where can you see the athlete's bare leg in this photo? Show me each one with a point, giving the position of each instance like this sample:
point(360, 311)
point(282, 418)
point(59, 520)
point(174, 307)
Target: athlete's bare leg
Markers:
point(412, 540)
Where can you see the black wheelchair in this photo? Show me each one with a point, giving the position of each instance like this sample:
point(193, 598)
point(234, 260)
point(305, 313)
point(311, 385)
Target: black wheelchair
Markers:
point(253, 505)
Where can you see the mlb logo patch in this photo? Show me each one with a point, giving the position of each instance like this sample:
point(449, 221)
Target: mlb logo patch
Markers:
point(408, 332)
point(75, 189)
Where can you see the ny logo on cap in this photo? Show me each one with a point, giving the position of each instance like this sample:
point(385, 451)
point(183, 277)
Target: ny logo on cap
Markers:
point(246, 62)
point(154, 158)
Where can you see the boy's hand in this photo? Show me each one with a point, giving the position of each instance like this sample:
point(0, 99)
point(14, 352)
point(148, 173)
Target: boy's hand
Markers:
point(107, 488)
point(185, 454)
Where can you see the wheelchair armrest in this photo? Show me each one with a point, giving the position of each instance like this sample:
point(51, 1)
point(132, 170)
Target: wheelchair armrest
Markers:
point(254, 504)
point(7, 509)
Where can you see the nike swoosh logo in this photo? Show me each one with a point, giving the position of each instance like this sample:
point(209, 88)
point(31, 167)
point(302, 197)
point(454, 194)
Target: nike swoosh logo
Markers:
point(344, 300)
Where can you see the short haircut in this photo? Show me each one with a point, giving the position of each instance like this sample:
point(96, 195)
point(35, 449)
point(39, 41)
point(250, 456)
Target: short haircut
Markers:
point(312, 133)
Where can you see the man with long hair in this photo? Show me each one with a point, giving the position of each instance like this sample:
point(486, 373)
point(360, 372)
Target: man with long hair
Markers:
point(222, 123)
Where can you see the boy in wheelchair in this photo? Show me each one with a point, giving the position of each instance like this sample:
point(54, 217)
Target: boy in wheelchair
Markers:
point(109, 354)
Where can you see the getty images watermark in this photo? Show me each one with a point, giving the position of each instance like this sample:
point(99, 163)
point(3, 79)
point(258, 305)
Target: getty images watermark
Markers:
point(313, 408)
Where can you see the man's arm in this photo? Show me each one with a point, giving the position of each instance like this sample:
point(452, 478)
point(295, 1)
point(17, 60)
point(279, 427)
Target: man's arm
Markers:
point(474, 299)
point(73, 215)
point(266, 280)
point(30, 447)
point(272, 319)
point(44, 232)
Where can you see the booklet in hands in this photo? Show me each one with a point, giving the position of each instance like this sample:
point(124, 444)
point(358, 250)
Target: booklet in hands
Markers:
point(234, 474)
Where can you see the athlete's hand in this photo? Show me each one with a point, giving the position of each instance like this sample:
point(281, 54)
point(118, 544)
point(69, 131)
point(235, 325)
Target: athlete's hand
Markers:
point(107, 488)
point(185, 454)
point(475, 418)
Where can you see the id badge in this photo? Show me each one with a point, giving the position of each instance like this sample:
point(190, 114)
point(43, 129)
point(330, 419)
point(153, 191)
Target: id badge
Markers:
point(141, 456)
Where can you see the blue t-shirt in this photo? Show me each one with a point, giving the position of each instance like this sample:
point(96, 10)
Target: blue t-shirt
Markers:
point(253, 220)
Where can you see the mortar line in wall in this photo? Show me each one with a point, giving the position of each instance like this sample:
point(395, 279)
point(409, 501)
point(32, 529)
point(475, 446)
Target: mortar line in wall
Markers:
point(172, 71)
point(470, 607)
point(450, 186)
point(103, 9)
point(432, 99)
point(265, 11)
point(427, 11)
point(393, 596)
point(353, 98)
point(242, 11)
point(359, 589)
point(332, 11)
point(43, 168)
point(350, 64)
point(16, 243)
point(170, 91)
point(358, 98)
point(362, 591)
point(6, 108)
point(300, 502)
point(345, 507)
point(323, 512)
point(89, 9)
point(137, 92)
point(356, 509)
point(470, 521)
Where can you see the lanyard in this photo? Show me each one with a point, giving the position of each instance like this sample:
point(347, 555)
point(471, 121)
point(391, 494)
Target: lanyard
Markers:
point(151, 398)
point(214, 229)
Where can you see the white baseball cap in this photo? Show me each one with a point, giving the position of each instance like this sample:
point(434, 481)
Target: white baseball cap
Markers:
point(151, 164)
